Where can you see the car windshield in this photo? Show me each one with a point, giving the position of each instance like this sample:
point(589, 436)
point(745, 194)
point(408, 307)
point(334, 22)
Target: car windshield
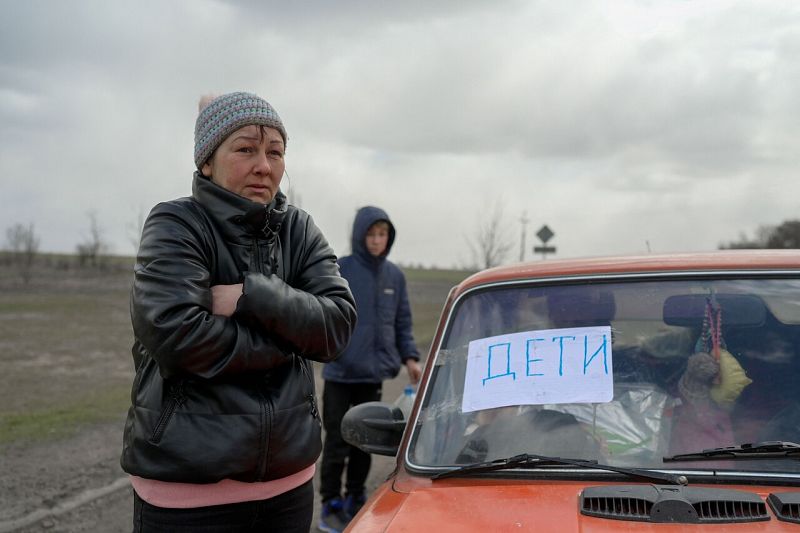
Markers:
point(624, 372)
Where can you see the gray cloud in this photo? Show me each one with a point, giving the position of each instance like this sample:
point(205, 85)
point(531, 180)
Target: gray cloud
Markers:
point(604, 120)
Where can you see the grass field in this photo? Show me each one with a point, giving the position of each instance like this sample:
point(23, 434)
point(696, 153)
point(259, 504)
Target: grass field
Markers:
point(65, 342)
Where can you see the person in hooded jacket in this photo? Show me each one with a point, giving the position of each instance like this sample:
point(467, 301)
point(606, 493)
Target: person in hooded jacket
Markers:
point(234, 292)
point(381, 344)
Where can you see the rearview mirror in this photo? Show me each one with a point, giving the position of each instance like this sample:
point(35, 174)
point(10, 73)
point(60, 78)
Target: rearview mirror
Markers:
point(374, 427)
point(740, 310)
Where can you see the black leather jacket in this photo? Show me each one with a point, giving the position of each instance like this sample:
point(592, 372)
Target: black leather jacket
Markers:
point(230, 397)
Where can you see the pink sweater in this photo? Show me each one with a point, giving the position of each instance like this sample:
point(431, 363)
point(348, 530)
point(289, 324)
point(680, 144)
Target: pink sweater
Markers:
point(190, 495)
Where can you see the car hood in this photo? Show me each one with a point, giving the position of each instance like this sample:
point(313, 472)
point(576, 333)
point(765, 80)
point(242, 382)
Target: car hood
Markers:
point(497, 507)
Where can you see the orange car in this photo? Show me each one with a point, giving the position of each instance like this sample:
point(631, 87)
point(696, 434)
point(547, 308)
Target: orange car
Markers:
point(656, 393)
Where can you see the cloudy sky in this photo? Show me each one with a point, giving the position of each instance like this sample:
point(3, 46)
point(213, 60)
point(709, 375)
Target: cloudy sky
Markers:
point(625, 126)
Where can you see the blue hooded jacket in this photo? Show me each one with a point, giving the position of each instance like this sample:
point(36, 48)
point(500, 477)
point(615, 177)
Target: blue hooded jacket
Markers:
point(382, 340)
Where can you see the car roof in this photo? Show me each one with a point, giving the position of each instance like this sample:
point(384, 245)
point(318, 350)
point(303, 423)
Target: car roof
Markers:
point(726, 260)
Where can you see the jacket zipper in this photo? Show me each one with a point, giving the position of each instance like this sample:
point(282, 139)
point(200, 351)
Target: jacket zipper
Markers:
point(266, 425)
point(266, 429)
point(377, 342)
point(271, 267)
point(266, 412)
point(176, 399)
point(257, 255)
point(314, 411)
point(312, 400)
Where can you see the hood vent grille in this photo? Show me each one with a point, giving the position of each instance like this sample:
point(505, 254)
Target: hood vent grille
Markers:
point(619, 508)
point(669, 503)
point(786, 506)
point(730, 511)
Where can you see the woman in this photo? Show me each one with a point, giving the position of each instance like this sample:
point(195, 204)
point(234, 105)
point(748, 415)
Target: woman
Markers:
point(234, 291)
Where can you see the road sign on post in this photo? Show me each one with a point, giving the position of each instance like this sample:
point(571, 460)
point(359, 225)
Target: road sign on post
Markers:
point(544, 234)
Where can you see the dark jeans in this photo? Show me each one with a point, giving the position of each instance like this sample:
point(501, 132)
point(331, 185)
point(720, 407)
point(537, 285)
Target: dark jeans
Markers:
point(337, 398)
point(288, 512)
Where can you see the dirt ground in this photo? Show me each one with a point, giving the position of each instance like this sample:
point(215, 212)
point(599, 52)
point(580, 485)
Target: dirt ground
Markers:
point(76, 485)
point(65, 348)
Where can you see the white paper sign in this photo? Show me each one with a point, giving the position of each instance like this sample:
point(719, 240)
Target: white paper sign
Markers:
point(550, 366)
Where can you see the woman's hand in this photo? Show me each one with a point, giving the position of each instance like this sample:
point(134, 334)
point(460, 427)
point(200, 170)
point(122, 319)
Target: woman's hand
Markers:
point(224, 298)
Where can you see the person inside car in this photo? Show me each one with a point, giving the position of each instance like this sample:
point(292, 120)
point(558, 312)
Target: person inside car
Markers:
point(769, 356)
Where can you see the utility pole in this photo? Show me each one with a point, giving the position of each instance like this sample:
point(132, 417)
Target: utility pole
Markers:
point(523, 220)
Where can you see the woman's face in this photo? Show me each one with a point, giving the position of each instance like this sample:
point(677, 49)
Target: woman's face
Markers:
point(249, 163)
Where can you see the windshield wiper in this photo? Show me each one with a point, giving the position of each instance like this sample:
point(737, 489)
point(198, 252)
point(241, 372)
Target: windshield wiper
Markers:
point(753, 450)
point(535, 461)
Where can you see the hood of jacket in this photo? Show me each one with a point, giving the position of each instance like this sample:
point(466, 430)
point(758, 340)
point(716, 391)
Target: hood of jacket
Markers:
point(239, 219)
point(365, 217)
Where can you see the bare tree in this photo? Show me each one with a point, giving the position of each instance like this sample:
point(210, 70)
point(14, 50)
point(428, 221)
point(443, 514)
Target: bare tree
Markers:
point(493, 239)
point(24, 245)
point(744, 242)
point(135, 229)
point(784, 235)
point(92, 250)
point(787, 235)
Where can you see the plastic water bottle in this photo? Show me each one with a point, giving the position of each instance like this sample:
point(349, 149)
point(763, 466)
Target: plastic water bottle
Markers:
point(406, 400)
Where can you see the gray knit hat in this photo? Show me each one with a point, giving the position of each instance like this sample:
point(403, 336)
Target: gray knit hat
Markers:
point(226, 114)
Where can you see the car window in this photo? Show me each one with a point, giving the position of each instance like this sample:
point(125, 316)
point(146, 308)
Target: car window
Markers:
point(695, 364)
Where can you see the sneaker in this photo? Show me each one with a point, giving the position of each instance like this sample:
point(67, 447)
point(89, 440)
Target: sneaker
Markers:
point(332, 519)
point(353, 503)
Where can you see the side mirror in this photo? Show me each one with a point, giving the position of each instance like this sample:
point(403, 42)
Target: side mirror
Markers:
point(374, 427)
